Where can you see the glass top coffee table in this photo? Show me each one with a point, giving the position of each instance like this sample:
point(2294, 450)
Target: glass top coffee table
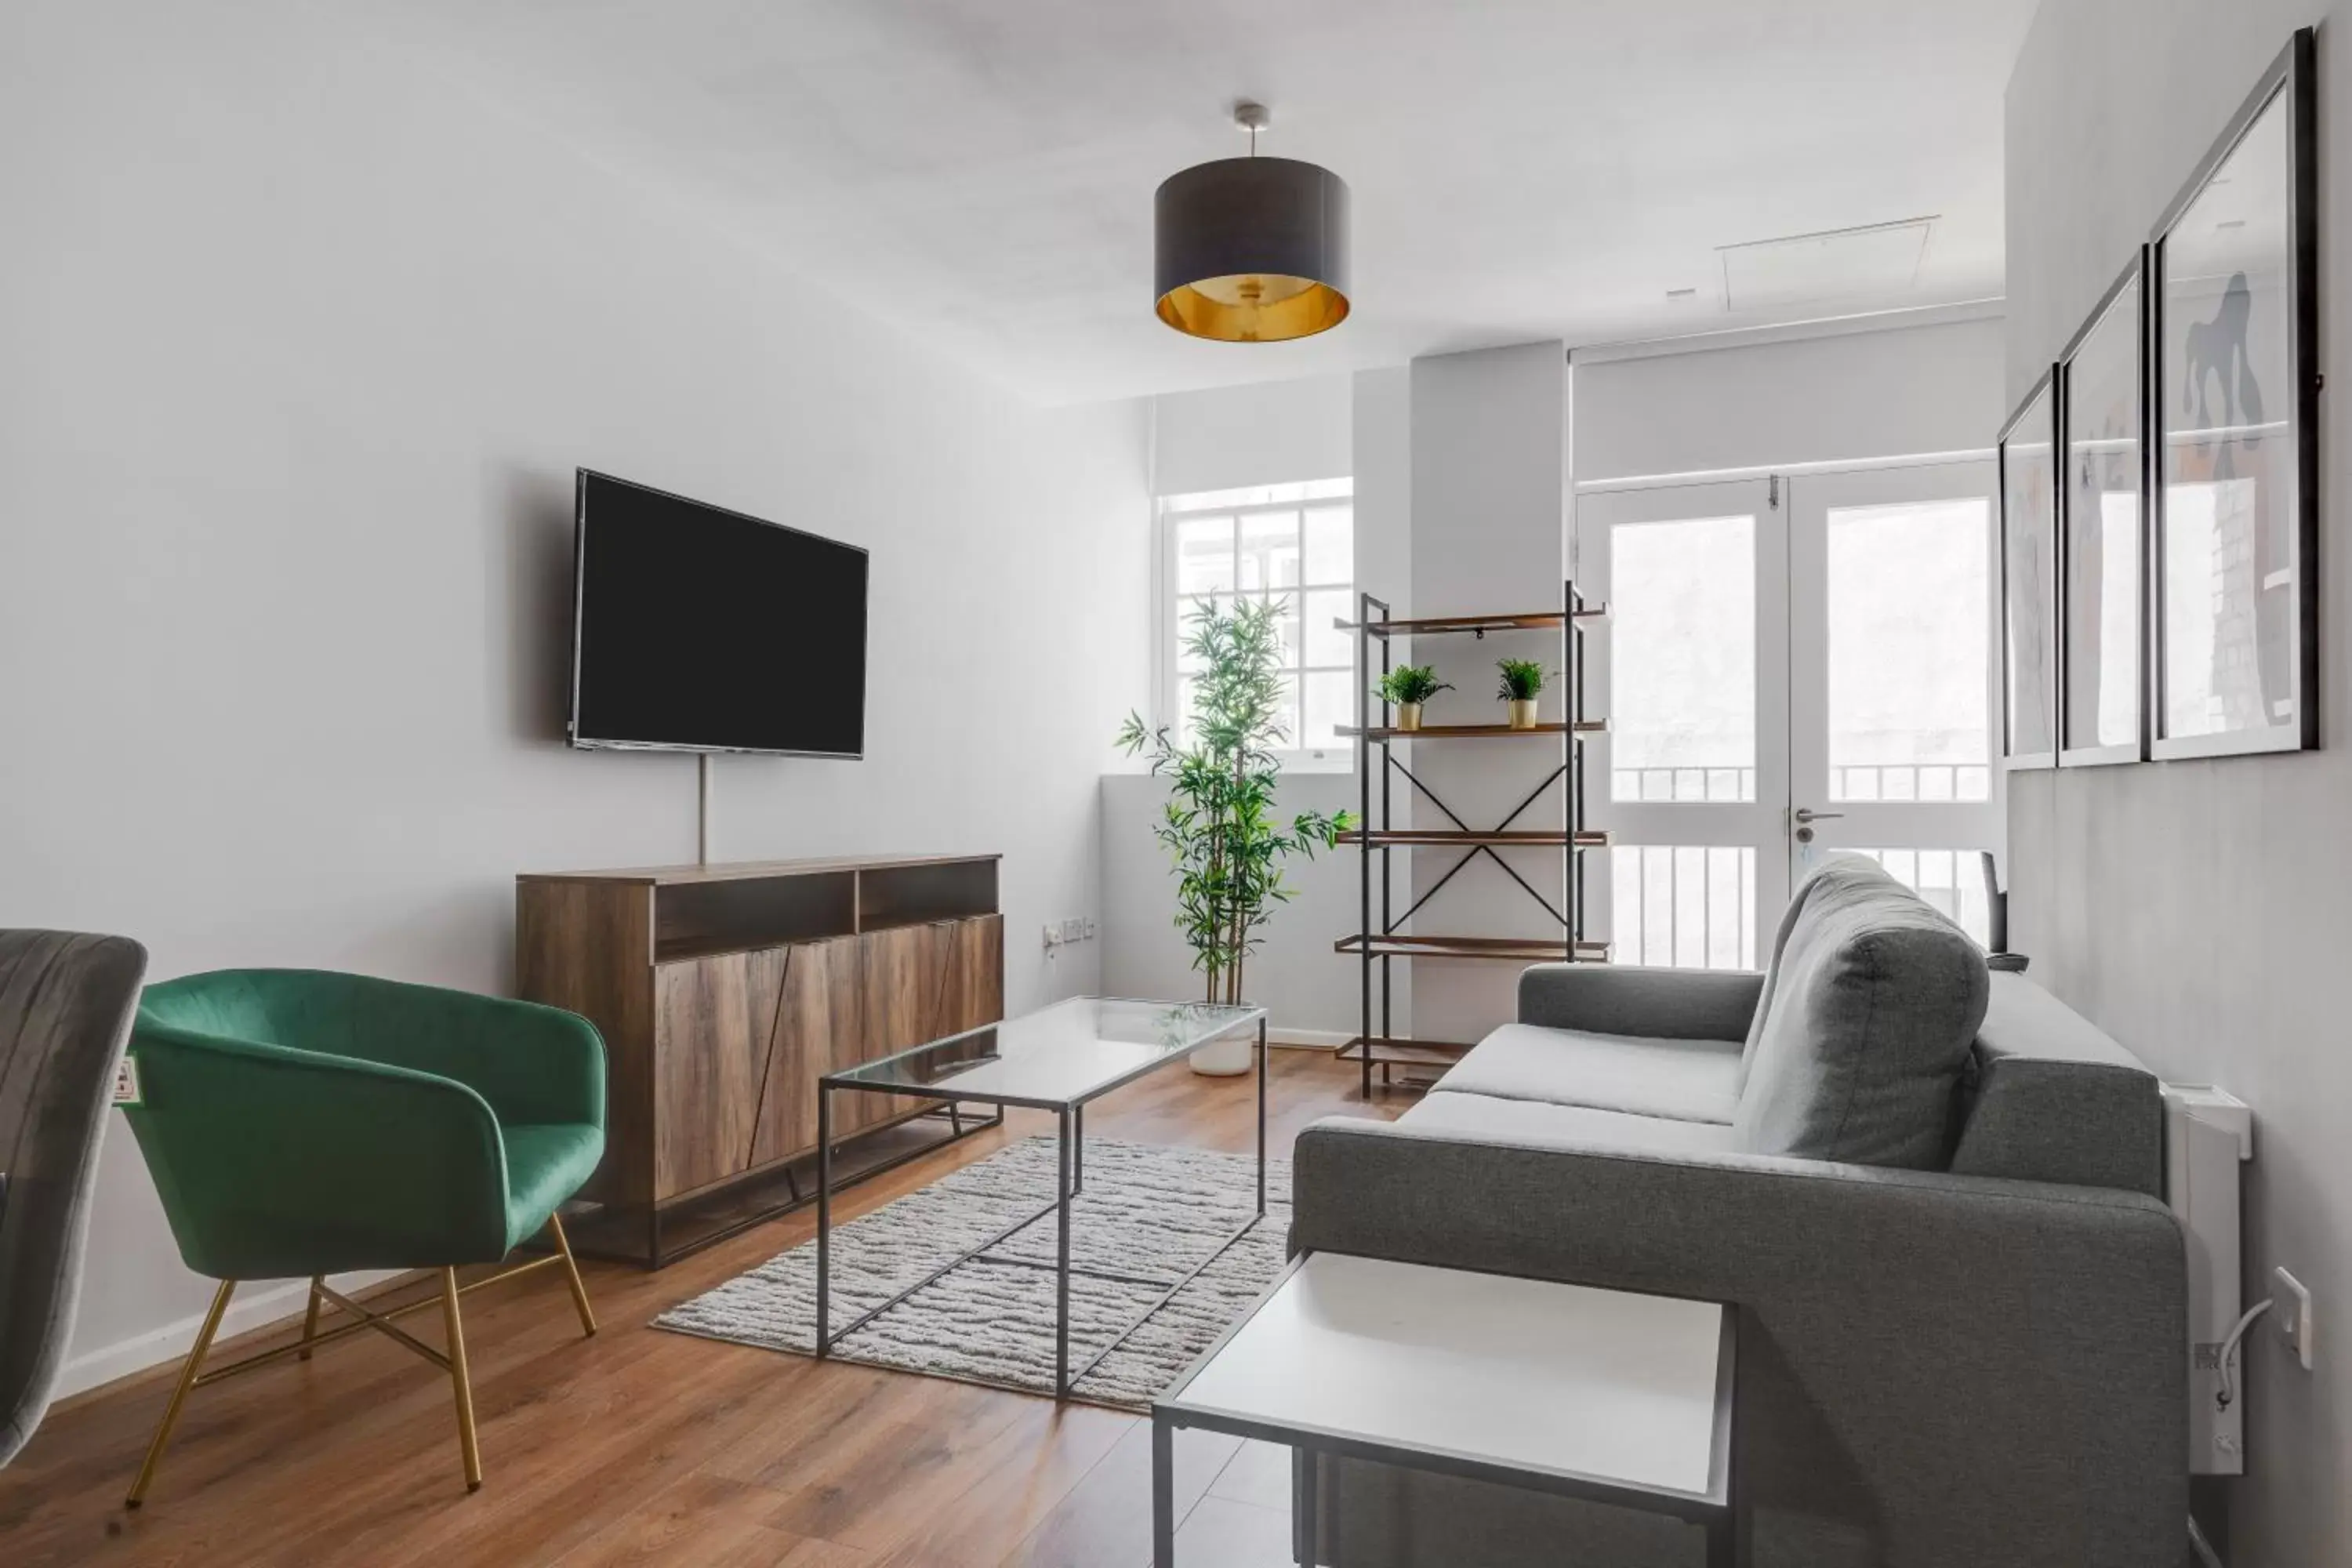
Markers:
point(1056, 1059)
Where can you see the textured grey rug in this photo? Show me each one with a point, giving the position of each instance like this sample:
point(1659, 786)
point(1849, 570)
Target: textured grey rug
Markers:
point(1146, 1211)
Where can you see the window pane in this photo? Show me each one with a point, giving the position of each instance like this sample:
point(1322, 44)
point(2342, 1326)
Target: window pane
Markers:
point(1204, 554)
point(1682, 659)
point(1953, 880)
point(1330, 702)
point(1325, 643)
point(1287, 712)
point(1331, 544)
point(1186, 609)
point(1690, 907)
point(1909, 605)
point(1288, 629)
point(1270, 549)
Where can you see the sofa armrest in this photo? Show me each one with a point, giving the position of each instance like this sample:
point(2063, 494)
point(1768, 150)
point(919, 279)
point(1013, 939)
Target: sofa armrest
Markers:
point(1934, 1369)
point(1626, 999)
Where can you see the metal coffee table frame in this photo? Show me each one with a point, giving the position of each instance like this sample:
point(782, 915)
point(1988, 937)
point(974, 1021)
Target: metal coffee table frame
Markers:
point(1069, 1115)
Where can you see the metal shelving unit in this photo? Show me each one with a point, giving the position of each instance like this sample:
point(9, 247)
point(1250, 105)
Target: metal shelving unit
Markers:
point(1379, 940)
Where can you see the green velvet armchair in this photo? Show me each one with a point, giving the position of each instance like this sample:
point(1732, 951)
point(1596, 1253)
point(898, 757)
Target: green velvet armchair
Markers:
point(304, 1123)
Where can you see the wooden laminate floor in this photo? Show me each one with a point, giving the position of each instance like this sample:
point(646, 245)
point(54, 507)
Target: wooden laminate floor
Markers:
point(640, 1446)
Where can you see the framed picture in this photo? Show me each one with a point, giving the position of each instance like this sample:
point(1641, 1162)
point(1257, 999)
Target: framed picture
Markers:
point(2029, 578)
point(2233, 553)
point(2103, 421)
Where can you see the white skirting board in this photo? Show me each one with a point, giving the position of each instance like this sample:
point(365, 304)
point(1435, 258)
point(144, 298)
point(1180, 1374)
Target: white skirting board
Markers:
point(1317, 1039)
point(253, 1306)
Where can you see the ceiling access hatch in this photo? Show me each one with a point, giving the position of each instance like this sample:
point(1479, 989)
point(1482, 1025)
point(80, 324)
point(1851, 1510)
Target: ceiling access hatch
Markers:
point(1869, 262)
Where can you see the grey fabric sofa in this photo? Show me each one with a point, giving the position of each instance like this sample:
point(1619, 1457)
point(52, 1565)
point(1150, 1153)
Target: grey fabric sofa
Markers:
point(1933, 1192)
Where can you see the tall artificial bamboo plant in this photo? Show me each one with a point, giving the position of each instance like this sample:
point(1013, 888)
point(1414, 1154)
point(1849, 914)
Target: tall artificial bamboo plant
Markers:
point(1221, 828)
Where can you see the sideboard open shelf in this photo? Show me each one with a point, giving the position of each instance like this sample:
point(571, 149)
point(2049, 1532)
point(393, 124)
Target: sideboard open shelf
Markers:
point(723, 992)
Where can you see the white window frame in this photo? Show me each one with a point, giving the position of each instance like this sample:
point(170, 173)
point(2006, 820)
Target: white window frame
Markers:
point(1169, 605)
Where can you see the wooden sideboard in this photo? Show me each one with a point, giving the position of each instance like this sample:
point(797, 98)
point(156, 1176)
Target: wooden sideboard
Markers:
point(724, 991)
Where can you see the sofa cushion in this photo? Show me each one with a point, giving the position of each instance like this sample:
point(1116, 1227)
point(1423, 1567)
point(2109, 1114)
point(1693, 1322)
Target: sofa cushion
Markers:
point(1695, 1080)
point(1488, 1118)
point(1874, 1001)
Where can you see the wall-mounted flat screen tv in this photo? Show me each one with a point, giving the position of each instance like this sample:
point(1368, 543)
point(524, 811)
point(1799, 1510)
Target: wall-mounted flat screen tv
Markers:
point(698, 629)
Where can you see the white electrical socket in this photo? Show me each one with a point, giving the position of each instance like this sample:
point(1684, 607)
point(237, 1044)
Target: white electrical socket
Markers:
point(1053, 934)
point(2290, 1309)
point(1073, 930)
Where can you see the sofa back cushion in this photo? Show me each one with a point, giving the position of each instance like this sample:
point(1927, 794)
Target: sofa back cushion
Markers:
point(1871, 1007)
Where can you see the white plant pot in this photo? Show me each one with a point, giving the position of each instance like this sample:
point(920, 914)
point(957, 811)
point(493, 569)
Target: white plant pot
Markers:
point(1523, 713)
point(1408, 716)
point(1228, 1057)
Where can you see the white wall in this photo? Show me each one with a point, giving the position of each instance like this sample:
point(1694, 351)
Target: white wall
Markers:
point(2202, 911)
point(1272, 433)
point(1895, 391)
point(1489, 512)
point(302, 345)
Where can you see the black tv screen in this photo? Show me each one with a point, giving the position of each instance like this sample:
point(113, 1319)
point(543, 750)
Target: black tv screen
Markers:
point(700, 629)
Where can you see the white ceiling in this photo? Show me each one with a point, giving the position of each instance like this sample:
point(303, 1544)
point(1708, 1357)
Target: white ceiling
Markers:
point(980, 171)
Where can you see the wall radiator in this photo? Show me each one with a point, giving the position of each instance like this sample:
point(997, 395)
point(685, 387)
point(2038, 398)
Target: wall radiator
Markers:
point(2208, 1135)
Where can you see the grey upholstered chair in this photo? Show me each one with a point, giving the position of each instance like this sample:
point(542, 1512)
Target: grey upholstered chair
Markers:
point(66, 1004)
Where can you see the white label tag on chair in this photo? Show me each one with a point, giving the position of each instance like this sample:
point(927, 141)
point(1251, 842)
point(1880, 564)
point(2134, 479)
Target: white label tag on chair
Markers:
point(126, 1081)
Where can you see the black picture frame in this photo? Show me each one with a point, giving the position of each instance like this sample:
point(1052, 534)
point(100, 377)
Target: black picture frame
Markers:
point(2120, 318)
point(2271, 672)
point(2029, 573)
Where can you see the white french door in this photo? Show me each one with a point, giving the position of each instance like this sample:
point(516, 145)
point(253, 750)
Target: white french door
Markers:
point(1893, 688)
point(1691, 671)
point(1789, 666)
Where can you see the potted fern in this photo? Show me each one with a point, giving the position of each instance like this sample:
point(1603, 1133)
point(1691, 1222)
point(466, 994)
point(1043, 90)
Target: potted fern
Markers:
point(1220, 828)
point(1407, 687)
point(1523, 681)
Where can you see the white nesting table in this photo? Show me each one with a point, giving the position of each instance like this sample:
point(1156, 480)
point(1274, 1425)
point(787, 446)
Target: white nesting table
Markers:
point(1602, 1394)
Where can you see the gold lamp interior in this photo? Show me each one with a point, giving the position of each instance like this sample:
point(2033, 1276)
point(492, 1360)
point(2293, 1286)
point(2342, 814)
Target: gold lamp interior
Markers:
point(1253, 308)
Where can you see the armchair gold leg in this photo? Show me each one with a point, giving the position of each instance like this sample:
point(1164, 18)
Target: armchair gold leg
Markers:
point(464, 1385)
point(572, 1273)
point(179, 1394)
point(311, 1320)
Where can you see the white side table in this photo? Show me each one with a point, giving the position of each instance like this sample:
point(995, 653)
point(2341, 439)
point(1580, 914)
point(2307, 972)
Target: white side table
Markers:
point(1602, 1394)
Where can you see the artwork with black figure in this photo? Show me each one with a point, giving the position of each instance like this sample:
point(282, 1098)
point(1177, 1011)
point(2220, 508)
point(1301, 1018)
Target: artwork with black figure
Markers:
point(2228, 571)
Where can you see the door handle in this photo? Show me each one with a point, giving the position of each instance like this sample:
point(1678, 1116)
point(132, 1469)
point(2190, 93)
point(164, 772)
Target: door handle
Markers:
point(1807, 814)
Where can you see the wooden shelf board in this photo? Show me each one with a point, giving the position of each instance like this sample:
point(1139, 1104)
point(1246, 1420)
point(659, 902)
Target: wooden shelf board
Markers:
point(1475, 731)
point(1539, 620)
point(1590, 838)
point(1403, 1052)
point(1521, 950)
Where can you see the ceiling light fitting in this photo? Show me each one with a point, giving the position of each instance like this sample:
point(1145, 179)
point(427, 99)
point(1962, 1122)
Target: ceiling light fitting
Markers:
point(1252, 249)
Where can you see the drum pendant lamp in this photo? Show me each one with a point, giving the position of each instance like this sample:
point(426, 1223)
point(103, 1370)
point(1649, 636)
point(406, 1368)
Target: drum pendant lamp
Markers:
point(1251, 250)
